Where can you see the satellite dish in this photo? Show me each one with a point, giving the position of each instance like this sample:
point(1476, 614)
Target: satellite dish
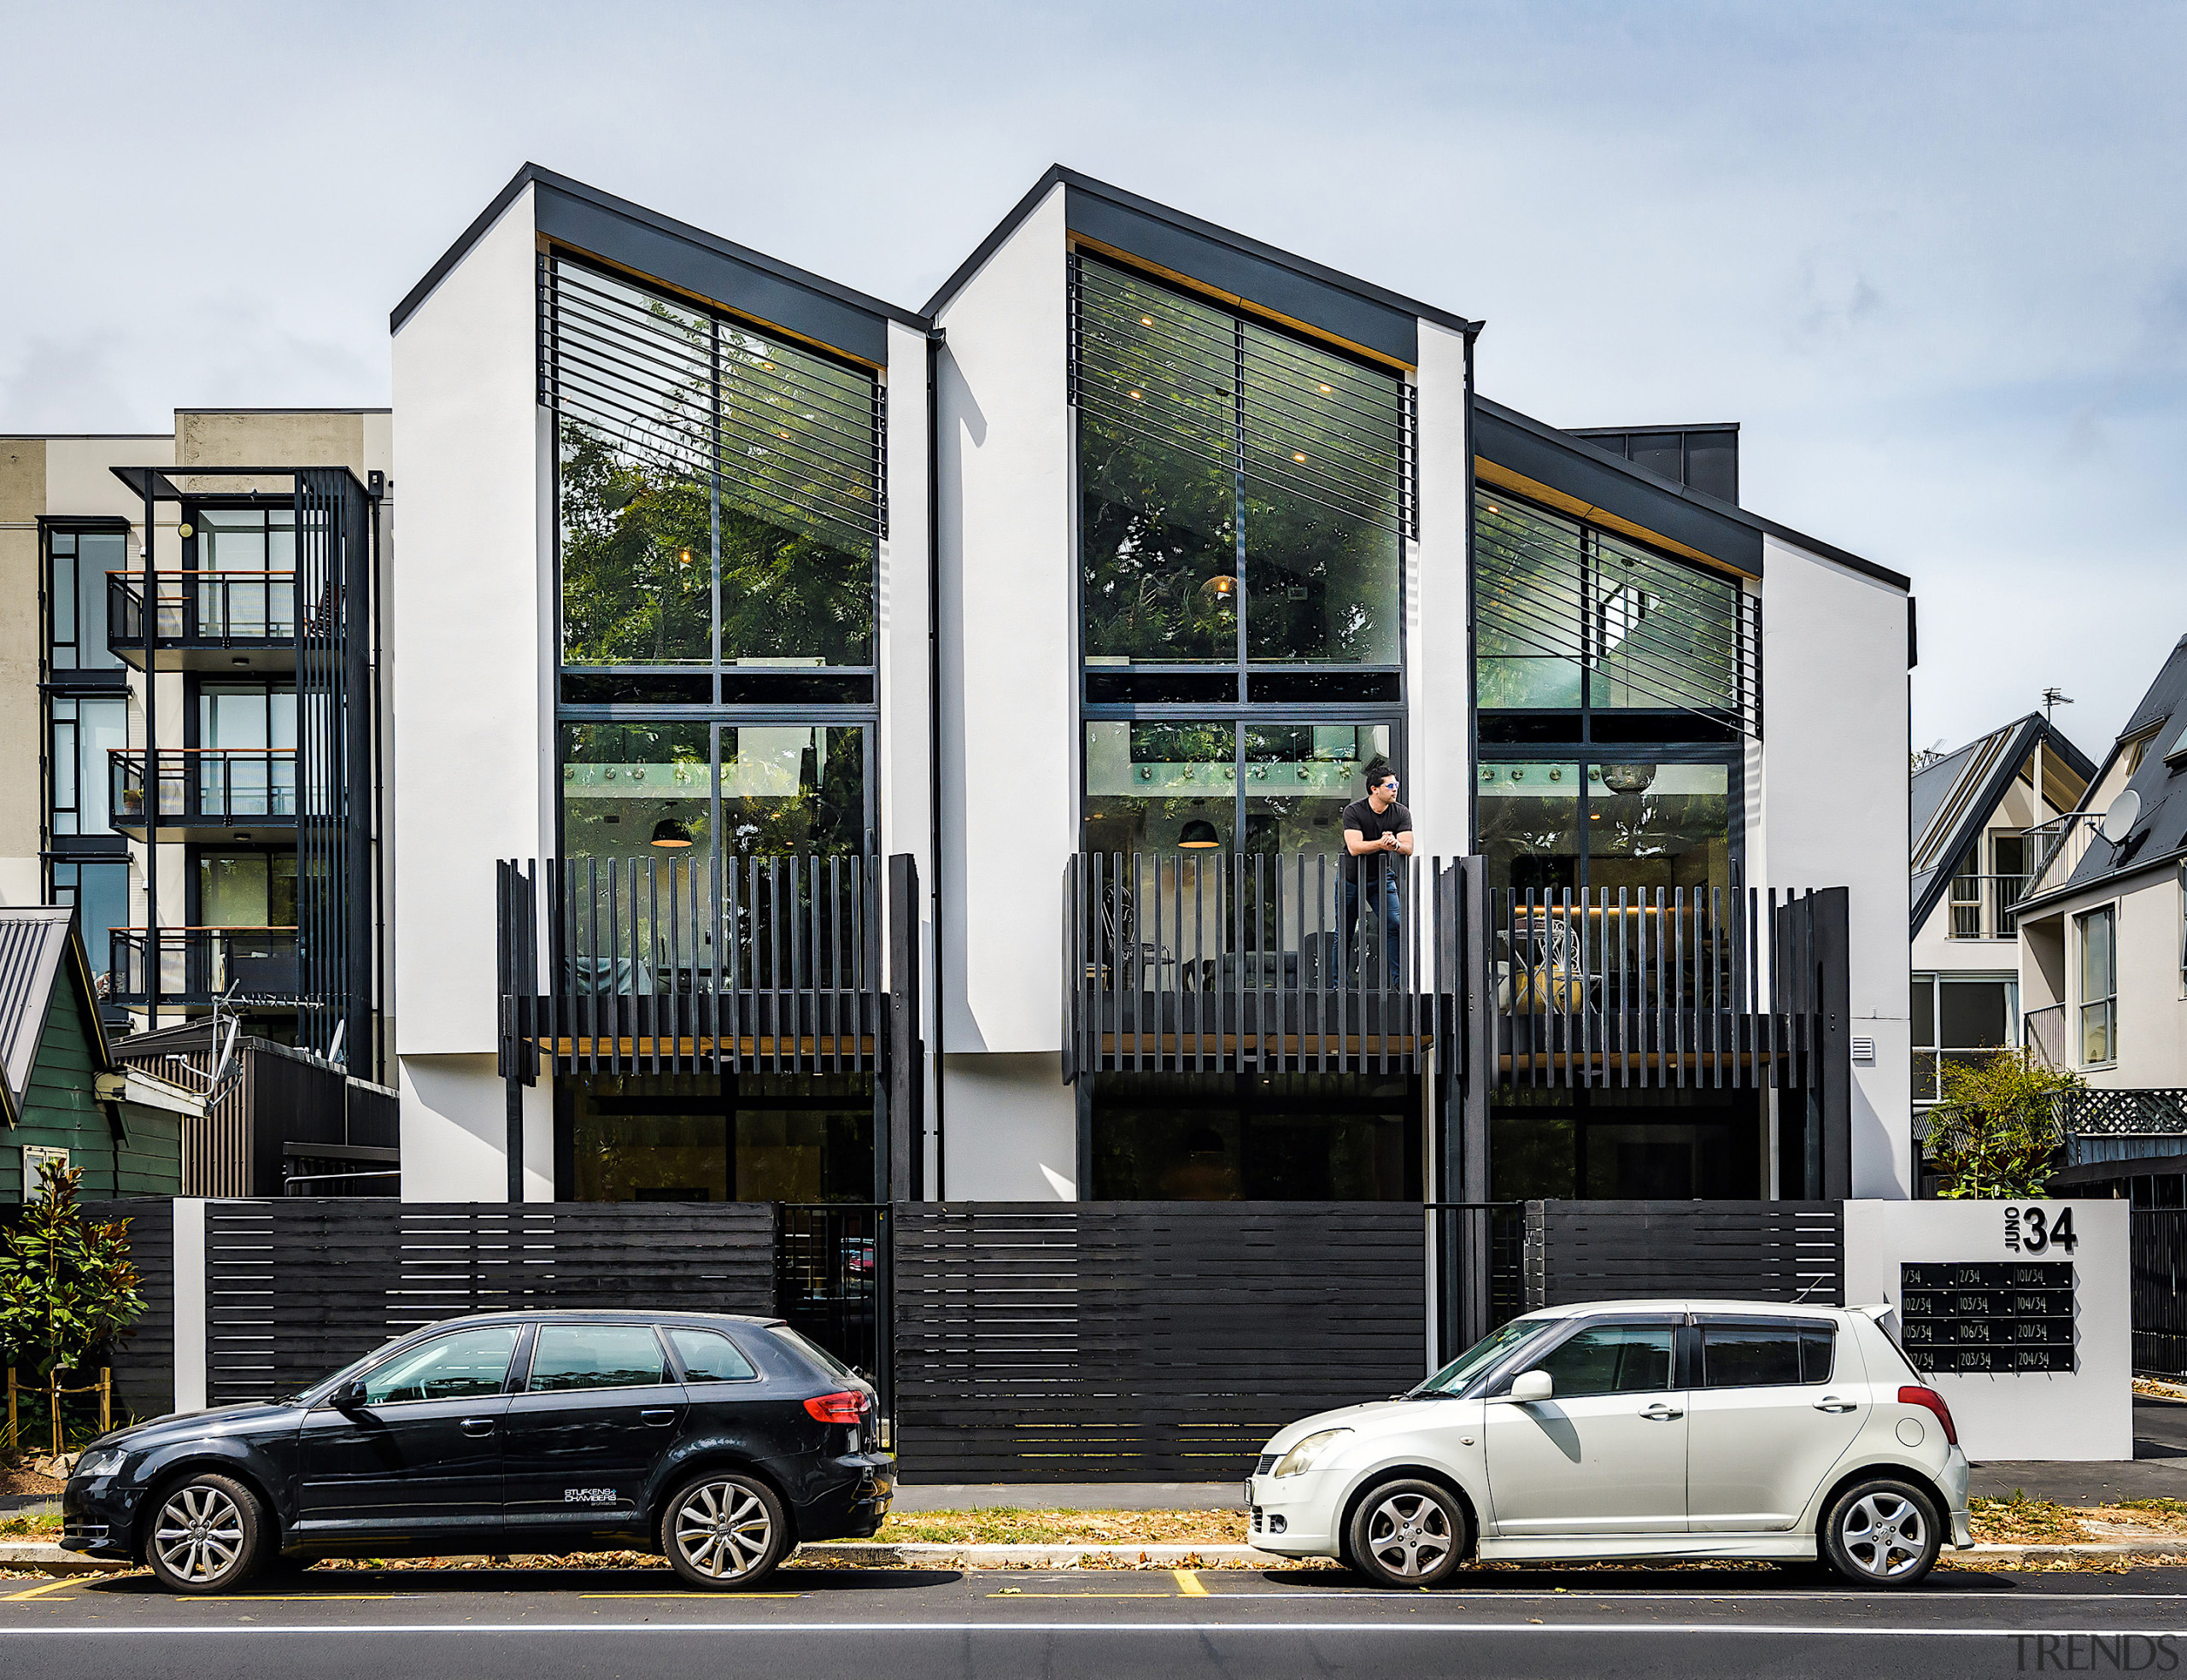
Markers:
point(2119, 821)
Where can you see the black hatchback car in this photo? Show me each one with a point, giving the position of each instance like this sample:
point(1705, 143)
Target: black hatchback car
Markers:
point(723, 1442)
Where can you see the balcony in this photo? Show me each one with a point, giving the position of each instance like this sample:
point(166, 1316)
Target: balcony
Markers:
point(2043, 1036)
point(222, 621)
point(1981, 906)
point(2060, 846)
point(1235, 962)
point(249, 967)
point(674, 965)
point(205, 794)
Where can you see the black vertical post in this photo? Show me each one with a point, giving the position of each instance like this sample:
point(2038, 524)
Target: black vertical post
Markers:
point(1833, 949)
point(1476, 998)
point(151, 792)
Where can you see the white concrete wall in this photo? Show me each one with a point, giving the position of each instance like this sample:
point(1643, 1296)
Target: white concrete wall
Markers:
point(905, 654)
point(2086, 1414)
point(467, 668)
point(2152, 1003)
point(1833, 810)
point(1014, 1129)
point(1438, 767)
point(454, 1120)
point(1009, 713)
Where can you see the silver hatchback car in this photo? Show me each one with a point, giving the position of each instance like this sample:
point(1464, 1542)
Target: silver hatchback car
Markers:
point(1634, 1429)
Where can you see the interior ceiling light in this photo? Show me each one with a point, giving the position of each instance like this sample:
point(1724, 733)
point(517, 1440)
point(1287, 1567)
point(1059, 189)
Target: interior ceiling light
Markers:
point(1221, 586)
point(1136, 396)
point(1146, 321)
point(1628, 778)
point(1328, 390)
point(1198, 836)
point(1299, 458)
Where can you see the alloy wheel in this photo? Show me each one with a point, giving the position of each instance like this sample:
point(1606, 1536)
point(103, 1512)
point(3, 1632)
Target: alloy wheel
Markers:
point(1410, 1535)
point(723, 1530)
point(199, 1534)
point(1884, 1534)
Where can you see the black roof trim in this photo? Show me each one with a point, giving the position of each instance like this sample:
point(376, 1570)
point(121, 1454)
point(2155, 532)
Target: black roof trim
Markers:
point(739, 279)
point(1634, 432)
point(1976, 811)
point(1568, 461)
point(1306, 290)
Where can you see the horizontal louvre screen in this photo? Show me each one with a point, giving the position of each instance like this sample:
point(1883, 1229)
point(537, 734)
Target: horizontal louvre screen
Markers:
point(1647, 630)
point(1300, 421)
point(797, 439)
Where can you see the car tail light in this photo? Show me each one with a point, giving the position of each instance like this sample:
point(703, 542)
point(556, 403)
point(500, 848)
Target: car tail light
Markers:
point(1928, 1399)
point(848, 1407)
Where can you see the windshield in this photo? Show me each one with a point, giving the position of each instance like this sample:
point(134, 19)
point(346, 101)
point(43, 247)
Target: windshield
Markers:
point(1490, 1350)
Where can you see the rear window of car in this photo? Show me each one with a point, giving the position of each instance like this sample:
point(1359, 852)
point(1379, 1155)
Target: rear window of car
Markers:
point(709, 1356)
point(596, 1356)
point(1766, 1356)
point(813, 1351)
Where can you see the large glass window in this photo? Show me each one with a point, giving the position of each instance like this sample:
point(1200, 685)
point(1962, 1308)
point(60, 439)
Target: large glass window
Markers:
point(247, 744)
point(1581, 824)
point(254, 551)
point(81, 561)
point(1959, 1022)
point(1272, 789)
point(100, 894)
point(1223, 1136)
point(1570, 617)
point(716, 1137)
point(84, 732)
point(719, 498)
point(696, 790)
point(1244, 493)
point(2099, 931)
point(246, 889)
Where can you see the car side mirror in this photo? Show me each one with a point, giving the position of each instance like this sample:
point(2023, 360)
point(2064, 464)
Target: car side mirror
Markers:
point(349, 1398)
point(1532, 1385)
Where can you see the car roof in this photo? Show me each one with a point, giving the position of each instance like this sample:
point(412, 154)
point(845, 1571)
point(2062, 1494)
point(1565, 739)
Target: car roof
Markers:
point(607, 1315)
point(1773, 1309)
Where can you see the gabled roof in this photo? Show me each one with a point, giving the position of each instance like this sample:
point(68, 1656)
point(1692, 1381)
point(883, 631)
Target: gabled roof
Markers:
point(1950, 798)
point(1576, 467)
point(2159, 830)
point(1278, 280)
point(38, 944)
point(689, 258)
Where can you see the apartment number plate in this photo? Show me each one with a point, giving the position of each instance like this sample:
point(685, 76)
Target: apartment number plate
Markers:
point(2001, 1318)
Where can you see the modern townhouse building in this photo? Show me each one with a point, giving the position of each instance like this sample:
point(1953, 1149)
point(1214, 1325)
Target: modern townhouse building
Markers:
point(916, 744)
point(188, 716)
point(1979, 816)
point(2104, 956)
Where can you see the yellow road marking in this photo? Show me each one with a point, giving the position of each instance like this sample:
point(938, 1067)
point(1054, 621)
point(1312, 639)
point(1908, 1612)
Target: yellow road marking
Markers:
point(729, 1597)
point(1012, 1592)
point(1189, 1584)
point(307, 1598)
point(49, 1587)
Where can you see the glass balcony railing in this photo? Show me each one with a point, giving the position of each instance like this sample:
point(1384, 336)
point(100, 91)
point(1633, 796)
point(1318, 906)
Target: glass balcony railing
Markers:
point(203, 791)
point(199, 614)
point(247, 966)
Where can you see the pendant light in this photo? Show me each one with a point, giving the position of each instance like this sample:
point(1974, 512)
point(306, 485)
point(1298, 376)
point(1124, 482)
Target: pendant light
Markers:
point(1198, 836)
point(670, 834)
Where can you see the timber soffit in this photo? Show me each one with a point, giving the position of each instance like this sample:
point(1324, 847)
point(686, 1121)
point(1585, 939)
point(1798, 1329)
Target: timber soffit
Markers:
point(1505, 437)
point(1106, 211)
point(1978, 774)
point(644, 235)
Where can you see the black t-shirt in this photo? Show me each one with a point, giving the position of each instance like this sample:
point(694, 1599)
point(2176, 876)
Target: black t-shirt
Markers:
point(1361, 816)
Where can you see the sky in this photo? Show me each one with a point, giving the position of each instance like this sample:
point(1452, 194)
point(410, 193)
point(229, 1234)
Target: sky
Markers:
point(1932, 258)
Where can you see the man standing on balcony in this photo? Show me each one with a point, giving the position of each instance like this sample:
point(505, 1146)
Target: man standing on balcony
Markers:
point(1374, 828)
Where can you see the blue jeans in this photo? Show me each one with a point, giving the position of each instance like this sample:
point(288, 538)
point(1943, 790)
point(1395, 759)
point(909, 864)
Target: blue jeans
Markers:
point(1392, 932)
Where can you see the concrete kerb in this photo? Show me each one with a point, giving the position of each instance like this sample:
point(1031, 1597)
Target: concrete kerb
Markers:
point(46, 1558)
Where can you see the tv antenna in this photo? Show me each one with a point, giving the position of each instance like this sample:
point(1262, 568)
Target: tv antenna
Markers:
point(2052, 700)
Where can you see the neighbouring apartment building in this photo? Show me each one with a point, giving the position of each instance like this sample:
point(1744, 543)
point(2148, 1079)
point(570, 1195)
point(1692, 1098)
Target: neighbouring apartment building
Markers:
point(2102, 956)
point(842, 751)
point(189, 716)
point(1980, 819)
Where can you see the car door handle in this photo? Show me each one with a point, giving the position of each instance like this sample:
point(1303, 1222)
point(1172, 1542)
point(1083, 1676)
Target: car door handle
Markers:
point(658, 1415)
point(478, 1425)
point(1830, 1403)
point(1660, 1412)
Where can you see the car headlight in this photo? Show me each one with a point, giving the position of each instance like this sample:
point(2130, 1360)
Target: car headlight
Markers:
point(1310, 1452)
point(104, 1462)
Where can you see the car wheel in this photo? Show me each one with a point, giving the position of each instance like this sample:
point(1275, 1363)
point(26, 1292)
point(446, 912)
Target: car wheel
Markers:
point(1408, 1534)
point(1882, 1533)
point(723, 1530)
point(207, 1536)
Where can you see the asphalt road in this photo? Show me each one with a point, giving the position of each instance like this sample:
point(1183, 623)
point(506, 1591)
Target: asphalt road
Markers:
point(927, 1625)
